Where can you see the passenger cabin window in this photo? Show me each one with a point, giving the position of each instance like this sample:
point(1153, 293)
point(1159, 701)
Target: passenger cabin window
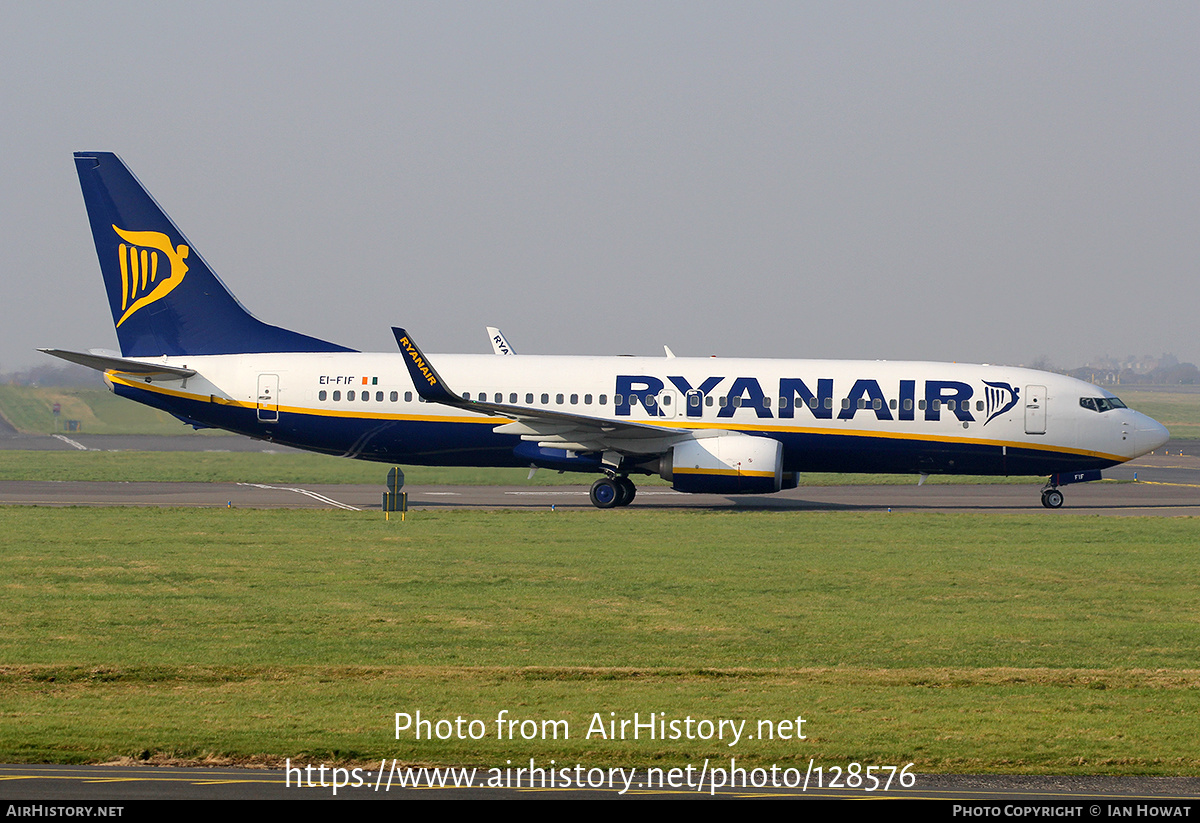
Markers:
point(321, 395)
point(529, 398)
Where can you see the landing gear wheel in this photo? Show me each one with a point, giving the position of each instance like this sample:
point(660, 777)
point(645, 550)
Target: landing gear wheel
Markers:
point(605, 493)
point(628, 490)
point(1052, 499)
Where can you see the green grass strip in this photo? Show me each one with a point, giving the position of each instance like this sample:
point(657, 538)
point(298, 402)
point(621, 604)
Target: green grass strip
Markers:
point(958, 642)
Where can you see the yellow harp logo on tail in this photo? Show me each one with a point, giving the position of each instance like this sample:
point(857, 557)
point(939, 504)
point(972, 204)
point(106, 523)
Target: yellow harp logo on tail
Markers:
point(142, 280)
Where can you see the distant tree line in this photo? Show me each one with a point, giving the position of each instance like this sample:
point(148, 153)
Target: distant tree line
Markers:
point(1178, 374)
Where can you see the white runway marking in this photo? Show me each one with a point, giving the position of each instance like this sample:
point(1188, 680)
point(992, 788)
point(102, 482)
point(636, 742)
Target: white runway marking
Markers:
point(322, 498)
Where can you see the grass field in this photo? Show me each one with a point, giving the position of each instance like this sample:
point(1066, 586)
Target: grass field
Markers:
point(97, 410)
point(960, 643)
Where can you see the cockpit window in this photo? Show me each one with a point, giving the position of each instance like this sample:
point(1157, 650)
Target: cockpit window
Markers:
point(1101, 404)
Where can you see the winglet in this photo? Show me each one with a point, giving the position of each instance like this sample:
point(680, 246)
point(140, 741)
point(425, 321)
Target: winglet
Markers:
point(428, 382)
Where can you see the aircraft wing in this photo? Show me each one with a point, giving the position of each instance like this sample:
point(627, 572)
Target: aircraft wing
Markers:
point(546, 427)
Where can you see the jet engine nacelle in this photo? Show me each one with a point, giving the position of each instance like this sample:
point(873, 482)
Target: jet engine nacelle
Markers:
point(727, 464)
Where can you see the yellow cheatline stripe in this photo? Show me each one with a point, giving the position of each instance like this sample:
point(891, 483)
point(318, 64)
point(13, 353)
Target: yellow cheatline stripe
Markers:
point(683, 426)
point(725, 472)
point(360, 415)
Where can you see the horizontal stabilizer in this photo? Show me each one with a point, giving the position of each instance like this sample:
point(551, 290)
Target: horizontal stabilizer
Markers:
point(101, 362)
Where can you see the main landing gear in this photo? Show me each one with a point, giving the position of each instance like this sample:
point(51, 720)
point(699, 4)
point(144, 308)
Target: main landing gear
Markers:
point(610, 492)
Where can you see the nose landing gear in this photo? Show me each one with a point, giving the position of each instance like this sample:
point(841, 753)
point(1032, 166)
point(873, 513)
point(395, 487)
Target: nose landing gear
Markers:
point(1052, 498)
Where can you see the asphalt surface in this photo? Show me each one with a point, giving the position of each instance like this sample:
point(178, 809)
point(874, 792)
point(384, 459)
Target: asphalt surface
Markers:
point(117, 783)
point(1167, 484)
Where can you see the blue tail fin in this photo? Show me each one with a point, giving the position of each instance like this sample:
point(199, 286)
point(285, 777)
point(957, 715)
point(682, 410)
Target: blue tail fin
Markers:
point(163, 296)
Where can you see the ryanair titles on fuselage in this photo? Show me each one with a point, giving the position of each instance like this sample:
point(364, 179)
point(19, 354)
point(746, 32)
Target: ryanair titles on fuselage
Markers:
point(865, 396)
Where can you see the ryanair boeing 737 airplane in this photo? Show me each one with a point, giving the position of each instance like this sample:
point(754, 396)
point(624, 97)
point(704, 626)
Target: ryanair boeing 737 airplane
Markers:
point(724, 426)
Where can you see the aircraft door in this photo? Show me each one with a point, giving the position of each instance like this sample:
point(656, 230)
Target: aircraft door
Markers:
point(1035, 409)
point(268, 398)
point(668, 403)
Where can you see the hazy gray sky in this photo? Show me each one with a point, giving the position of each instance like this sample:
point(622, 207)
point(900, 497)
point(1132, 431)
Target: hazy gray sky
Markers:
point(947, 181)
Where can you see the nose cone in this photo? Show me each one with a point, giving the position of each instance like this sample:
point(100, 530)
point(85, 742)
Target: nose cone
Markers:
point(1150, 434)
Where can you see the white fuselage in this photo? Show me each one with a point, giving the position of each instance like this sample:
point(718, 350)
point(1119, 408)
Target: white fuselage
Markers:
point(830, 415)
